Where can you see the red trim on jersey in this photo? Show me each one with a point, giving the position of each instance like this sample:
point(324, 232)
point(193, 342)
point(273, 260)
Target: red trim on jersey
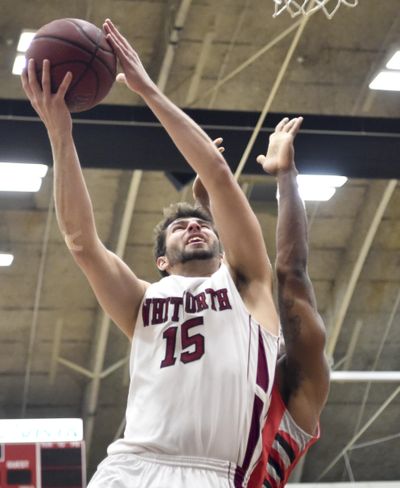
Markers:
point(276, 412)
point(292, 443)
point(271, 426)
point(299, 454)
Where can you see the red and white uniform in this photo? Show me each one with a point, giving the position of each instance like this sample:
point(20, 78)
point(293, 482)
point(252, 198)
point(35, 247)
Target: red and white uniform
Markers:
point(284, 443)
point(202, 372)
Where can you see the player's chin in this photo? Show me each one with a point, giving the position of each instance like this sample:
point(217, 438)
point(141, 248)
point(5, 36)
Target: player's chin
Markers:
point(199, 253)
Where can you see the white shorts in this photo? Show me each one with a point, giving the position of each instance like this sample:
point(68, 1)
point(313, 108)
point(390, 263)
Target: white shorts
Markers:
point(160, 471)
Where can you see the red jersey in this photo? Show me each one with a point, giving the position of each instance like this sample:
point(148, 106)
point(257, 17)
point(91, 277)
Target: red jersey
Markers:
point(284, 443)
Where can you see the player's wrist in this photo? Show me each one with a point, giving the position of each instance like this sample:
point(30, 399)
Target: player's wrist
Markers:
point(60, 137)
point(287, 172)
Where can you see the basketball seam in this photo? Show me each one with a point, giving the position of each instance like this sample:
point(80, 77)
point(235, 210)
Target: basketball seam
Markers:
point(111, 51)
point(89, 65)
point(76, 44)
point(38, 72)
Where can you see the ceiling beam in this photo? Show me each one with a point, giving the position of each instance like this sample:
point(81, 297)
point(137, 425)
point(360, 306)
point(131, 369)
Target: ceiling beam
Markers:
point(367, 223)
point(117, 137)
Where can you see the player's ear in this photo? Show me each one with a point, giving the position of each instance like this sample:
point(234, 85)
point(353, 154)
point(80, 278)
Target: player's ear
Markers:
point(162, 263)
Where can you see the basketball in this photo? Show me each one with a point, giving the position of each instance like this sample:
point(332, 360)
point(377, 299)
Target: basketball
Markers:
point(82, 48)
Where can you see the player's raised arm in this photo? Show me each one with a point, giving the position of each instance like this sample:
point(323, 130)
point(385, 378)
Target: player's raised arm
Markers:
point(237, 225)
point(304, 377)
point(118, 290)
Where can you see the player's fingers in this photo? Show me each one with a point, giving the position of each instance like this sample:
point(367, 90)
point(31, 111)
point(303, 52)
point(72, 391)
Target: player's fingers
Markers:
point(260, 159)
point(120, 49)
point(25, 83)
point(121, 78)
point(32, 78)
point(221, 149)
point(46, 77)
point(296, 126)
point(281, 124)
point(110, 28)
point(64, 85)
point(289, 125)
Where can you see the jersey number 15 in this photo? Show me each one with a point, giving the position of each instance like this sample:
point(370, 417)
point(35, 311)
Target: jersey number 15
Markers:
point(196, 340)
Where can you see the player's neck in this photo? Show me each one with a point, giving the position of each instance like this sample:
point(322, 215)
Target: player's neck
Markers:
point(196, 267)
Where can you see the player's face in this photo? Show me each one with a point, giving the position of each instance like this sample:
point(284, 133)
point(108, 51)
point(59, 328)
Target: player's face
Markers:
point(191, 238)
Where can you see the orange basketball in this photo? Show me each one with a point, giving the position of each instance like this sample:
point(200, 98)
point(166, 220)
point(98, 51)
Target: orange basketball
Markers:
point(82, 48)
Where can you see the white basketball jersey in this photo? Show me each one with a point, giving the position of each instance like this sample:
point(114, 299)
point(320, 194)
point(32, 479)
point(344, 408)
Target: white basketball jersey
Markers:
point(201, 374)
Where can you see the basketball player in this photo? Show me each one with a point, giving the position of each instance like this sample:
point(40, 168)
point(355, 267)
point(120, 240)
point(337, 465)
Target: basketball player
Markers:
point(205, 337)
point(301, 383)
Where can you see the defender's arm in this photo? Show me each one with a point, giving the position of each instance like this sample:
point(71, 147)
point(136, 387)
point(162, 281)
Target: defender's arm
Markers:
point(303, 373)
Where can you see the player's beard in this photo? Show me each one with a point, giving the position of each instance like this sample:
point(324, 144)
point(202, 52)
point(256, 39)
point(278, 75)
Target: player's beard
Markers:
point(183, 256)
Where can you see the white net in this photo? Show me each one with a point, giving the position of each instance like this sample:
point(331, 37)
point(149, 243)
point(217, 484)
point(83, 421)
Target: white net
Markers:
point(307, 7)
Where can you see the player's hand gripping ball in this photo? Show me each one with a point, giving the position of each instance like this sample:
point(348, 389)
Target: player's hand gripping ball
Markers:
point(79, 47)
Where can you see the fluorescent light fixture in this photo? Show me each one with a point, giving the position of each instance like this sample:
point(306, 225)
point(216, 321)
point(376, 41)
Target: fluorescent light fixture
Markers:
point(21, 176)
point(321, 180)
point(40, 430)
point(317, 194)
point(394, 61)
point(6, 259)
point(319, 187)
point(386, 80)
point(25, 40)
point(19, 64)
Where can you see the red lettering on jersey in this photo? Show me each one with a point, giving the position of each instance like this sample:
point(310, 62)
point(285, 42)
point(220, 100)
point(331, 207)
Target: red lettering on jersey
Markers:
point(223, 300)
point(190, 303)
point(201, 303)
point(146, 311)
point(176, 302)
point(159, 306)
point(211, 294)
point(158, 310)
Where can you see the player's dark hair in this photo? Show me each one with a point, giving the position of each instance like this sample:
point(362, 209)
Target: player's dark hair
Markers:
point(181, 210)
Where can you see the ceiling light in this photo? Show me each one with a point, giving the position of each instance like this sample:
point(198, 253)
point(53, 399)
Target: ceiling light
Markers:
point(6, 259)
point(40, 430)
point(322, 180)
point(319, 187)
point(386, 80)
point(19, 64)
point(316, 194)
point(21, 176)
point(25, 40)
point(394, 61)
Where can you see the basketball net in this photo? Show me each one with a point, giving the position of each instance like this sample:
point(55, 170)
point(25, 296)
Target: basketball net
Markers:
point(307, 7)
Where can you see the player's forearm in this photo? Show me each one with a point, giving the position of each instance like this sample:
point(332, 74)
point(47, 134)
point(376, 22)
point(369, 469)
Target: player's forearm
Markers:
point(72, 201)
point(292, 232)
point(193, 143)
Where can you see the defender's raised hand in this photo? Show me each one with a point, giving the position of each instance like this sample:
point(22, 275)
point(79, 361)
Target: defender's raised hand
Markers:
point(280, 153)
point(134, 75)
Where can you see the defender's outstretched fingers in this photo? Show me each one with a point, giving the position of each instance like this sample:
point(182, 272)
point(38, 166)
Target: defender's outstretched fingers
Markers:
point(296, 126)
point(218, 143)
point(290, 124)
point(281, 124)
point(261, 159)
